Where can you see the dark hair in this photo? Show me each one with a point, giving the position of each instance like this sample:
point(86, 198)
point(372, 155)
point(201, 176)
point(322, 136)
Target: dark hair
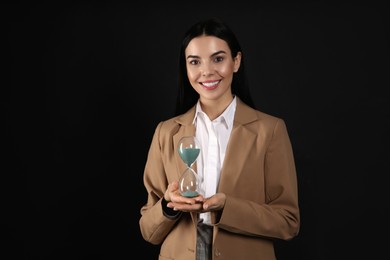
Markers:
point(187, 96)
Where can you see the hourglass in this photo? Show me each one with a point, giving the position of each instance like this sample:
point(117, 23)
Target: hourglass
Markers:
point(189, 150)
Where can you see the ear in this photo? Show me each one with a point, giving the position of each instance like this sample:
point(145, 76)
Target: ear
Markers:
point(237, 61)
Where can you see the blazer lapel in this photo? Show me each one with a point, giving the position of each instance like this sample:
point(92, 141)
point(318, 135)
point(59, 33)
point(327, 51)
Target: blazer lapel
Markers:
point(240, 144)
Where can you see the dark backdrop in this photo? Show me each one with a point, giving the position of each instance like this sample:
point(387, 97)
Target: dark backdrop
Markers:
point(85, 83)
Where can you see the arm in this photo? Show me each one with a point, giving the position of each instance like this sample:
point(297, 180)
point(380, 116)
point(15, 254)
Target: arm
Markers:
point(270, 206)
point(153, 223)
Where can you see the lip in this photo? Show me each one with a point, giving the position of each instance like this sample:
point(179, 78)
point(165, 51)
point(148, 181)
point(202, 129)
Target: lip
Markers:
point(210, 84)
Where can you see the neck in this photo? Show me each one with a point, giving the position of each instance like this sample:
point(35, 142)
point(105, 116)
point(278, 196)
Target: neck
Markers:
point(214, 108)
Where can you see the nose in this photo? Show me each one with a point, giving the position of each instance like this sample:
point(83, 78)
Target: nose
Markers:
point(206, 69)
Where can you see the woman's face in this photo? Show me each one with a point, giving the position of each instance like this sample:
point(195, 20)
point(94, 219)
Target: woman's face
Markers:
point(210, 67)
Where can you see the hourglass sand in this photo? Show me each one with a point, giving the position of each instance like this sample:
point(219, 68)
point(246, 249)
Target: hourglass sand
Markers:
point(189, 150)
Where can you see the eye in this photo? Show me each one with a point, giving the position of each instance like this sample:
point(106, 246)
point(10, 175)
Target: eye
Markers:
point(193, 62)
point(218, 59)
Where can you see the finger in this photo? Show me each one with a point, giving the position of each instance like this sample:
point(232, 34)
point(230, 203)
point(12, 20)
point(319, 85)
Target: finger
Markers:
point(186, 207)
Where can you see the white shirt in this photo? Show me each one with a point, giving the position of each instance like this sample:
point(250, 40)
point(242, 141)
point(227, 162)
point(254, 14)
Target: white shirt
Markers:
point(213, 137)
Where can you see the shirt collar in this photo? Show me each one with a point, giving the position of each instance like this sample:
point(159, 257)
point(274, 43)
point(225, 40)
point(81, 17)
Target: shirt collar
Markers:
point(227, 116)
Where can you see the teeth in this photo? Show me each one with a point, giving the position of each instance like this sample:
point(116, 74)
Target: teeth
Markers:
point(210, 84)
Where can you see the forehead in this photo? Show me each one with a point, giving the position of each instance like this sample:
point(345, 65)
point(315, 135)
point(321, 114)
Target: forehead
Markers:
point(206, 45)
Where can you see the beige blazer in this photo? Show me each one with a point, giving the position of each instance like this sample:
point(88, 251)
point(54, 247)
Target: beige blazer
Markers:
point(258, 177)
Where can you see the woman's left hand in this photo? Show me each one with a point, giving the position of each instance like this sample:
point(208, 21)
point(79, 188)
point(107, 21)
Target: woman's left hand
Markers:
point(215, 202)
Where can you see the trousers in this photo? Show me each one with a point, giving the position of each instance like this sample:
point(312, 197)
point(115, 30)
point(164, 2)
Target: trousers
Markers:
point(204, 241)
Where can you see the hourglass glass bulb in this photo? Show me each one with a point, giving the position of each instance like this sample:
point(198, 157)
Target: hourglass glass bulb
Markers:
point(188, 183)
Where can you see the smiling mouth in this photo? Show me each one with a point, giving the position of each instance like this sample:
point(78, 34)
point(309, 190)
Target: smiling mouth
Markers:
point(210, 85)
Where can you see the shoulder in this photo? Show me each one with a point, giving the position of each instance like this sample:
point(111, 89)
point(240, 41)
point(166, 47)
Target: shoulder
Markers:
point(266, 116)
point(247, 115)
point(171, 126)
point(167, 126)
point(257, 121)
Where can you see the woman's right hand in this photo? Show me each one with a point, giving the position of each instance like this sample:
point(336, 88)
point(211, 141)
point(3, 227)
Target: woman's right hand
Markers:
point(180, 203)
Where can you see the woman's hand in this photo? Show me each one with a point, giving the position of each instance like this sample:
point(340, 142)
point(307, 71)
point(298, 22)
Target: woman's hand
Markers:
point(195, 204)
point(178, 202)
point(215, 202)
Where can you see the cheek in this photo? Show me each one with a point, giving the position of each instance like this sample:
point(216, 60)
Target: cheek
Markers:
point(227, 71)
point(192, 75)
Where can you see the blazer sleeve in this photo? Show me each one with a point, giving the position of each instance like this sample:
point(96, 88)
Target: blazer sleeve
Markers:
point(154, 225)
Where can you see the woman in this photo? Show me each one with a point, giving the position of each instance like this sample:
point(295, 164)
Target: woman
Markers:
point(250, 194)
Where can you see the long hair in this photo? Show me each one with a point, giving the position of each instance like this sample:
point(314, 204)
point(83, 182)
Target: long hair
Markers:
point(187, 96)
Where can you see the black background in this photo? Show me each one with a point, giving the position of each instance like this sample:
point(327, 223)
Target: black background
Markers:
point(85, 83)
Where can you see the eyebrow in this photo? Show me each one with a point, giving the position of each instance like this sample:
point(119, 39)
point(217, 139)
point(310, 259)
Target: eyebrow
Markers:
point(212, 55)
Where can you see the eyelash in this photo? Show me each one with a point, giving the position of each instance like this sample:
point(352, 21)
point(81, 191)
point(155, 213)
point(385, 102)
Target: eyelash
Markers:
point(216, 60)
